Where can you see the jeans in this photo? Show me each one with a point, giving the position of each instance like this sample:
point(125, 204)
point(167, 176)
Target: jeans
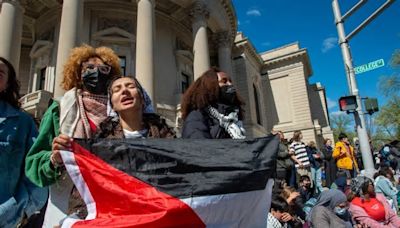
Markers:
point(316, 174)
point(292, 180)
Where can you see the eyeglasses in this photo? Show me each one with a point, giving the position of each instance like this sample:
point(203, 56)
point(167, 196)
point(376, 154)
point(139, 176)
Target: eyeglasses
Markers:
point(105, 69)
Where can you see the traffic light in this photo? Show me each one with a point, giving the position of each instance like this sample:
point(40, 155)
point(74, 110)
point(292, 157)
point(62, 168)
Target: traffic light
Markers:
point(348, 103)
point(371, 105)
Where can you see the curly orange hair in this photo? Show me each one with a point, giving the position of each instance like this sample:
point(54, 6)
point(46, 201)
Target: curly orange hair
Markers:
point(79, 55)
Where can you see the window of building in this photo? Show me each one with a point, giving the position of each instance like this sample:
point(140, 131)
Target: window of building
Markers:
point(185, 82)
point(122, 63)
point(42, 78)
point(257, 103)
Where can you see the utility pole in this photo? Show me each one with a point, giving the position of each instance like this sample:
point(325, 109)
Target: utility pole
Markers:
point(351, 79)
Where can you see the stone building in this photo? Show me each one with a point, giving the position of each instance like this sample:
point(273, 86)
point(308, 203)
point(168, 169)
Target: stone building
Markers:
point(166, 44)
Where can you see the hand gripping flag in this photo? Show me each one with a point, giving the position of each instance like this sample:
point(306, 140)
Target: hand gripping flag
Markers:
point(173, 183)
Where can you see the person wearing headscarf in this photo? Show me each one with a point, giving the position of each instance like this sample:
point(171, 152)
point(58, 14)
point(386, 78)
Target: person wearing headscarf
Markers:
point(131, 113)
point(19, 197)
point(330, 210)
point(368, 208)
point(212, 108)
point(77, 114)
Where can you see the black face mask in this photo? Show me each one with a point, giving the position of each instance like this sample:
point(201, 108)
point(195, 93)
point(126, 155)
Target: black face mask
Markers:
point(95, 81)
point(227, 94)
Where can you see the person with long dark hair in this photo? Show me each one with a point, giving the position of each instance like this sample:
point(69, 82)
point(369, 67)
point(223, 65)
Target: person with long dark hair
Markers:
point(212, 108)
point(19, 198)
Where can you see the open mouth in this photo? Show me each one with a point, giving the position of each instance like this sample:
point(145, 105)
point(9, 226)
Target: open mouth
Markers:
point(127, 100)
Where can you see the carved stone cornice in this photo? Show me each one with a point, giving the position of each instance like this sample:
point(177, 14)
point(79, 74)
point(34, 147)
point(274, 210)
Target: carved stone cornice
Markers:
point(199, 11)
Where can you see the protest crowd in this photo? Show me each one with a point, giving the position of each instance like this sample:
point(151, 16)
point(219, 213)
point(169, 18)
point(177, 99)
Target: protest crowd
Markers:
point(324, 187)
point(313, 187)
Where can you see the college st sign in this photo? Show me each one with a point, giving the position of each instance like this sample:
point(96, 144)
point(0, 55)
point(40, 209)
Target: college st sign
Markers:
point(369, 66)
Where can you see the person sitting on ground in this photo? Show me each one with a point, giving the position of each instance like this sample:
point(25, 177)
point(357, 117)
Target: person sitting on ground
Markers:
point(132, 114)
point(279, 185)
point(368, 208)
point(330, 210)
point(278, 217)
point(296, 205)
point(212, 108)
point(342, 182)
point(305, 189)
point(384, 179)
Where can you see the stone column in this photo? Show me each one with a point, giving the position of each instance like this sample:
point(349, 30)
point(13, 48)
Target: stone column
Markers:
point(201, 52)
point(145, 46)
point(11, 20)
point(225, 52)
point(71, 21)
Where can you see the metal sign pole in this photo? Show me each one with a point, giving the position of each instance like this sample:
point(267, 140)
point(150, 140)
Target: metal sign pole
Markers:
point(358, 114)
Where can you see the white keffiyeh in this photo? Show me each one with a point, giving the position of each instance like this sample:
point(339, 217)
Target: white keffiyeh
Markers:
point(230, 123)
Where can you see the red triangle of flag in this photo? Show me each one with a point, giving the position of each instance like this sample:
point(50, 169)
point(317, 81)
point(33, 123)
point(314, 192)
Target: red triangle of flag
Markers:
point(121, 200)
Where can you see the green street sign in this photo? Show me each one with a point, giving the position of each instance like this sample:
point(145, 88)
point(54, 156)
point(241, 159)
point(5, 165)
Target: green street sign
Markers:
point(369, 66)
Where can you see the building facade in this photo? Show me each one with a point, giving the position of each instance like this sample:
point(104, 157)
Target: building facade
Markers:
point(166, 44)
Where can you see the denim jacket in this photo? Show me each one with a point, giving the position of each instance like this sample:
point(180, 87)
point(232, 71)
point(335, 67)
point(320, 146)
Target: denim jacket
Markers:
point(18, 196)
point(385, 186)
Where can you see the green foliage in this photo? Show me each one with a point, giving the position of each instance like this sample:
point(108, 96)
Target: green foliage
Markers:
point(380, 138)
point(389, 85)
point(395, 61)
point(388, 118)
point(342, 123)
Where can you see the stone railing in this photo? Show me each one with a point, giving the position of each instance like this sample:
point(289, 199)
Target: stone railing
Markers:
point(36, 103)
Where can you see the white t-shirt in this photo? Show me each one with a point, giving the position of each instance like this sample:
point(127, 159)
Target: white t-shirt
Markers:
point(135, 134)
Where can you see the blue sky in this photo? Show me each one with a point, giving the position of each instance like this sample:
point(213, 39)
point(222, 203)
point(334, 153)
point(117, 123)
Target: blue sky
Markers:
point(274, 23)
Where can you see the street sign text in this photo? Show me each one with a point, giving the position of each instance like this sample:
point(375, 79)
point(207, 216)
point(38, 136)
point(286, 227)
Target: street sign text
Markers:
point(369, 66)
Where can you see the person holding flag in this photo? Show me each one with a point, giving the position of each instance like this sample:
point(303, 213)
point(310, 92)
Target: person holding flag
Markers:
point(212, 108)
point(131, 113)
point(77, 114)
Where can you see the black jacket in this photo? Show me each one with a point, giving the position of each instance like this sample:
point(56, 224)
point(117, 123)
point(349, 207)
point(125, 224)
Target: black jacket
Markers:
point(199, 125)
point(283, 162)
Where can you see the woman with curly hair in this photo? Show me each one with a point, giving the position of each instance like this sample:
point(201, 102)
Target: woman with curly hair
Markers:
point(77, 114)
point(19, 198)
point(212, 109)
point(132, 114)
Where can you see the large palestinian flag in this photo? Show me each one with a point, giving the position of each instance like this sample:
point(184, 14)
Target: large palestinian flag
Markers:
point(173, 183)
